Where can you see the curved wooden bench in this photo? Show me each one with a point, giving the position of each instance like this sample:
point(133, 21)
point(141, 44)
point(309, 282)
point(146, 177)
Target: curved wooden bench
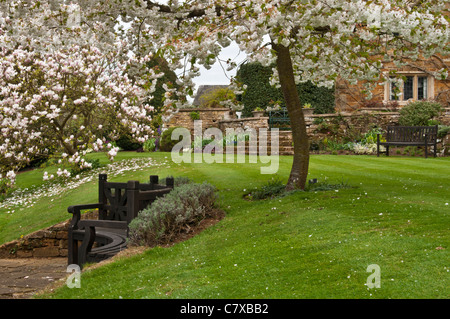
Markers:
point(119, 204)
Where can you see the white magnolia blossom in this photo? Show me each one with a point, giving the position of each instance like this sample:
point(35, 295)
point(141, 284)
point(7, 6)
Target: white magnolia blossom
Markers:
point(57, 83)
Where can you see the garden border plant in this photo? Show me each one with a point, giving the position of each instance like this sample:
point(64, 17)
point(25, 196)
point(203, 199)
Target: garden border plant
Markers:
point(419, 113)
point(178, 213)
point(275, 188)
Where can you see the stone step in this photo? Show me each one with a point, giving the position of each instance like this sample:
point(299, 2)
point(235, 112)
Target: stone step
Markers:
point(288, 150)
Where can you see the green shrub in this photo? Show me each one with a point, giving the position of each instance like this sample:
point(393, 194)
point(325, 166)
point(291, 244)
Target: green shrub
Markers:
point(194, 115)
point(169, 78)
point(443, 130)
point(271, 189)
point(370, 137)
point(217, 98)
point(419, 113)
point(333, 144)
point(166, 140)
point(318, 120)
point(5, 187)
point(149, 145)
point(127, 143)
point(172, 214)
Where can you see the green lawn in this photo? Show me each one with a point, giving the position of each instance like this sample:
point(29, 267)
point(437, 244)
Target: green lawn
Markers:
point(305, 245)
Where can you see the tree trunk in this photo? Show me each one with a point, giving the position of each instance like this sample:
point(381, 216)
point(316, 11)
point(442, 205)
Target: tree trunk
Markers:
point(299, 170)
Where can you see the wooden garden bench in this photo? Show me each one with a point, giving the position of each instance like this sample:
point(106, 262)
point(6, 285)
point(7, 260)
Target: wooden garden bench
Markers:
point(118, 205)
point(409, 136)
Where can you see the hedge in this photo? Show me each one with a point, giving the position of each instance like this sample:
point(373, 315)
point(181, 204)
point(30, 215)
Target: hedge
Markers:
point(259, 92)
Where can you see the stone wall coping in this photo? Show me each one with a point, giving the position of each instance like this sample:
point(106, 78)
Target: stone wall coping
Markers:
point(347, 114)
point(332, 114)
point(382, 112)
point(246, 119)
point(204, 109)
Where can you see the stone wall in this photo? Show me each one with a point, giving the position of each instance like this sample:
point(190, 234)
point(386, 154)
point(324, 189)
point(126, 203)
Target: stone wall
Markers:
point(244, 123)
point(318, 126)
point(220, 118)
point(363, 119)
point(48, 242)
point(347, 124)
point(210, 117)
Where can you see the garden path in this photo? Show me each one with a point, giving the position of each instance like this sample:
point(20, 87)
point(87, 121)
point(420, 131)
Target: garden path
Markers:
point(21, 278)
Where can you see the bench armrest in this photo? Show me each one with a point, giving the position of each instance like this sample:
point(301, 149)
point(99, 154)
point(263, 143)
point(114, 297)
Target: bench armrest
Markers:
point(115, 224)
point(75, 210)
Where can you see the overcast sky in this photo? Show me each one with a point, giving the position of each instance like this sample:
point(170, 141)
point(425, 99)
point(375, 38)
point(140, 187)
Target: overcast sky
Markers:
point(218, 75)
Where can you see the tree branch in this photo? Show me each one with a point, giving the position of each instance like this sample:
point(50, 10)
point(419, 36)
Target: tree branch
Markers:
point(190, 14)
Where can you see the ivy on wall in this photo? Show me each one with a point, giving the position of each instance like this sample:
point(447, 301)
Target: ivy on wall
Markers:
point(260, 93)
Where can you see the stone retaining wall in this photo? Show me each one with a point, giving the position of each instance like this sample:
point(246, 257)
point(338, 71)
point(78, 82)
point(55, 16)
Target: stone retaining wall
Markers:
point(244, 123)
point(210, 117)
point(318, 126)
point(48, 242)
point(362, 120)
point(342, 124)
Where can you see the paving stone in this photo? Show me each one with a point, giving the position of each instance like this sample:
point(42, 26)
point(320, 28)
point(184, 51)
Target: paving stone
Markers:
point(20, 278)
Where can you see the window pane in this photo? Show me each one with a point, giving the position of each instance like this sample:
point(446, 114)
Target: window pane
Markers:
point(422, 88)
point(393, 94)
point(408, 88)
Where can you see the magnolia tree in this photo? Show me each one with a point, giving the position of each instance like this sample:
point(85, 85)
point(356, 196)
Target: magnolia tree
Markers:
point(67, 96)
point(306, 40)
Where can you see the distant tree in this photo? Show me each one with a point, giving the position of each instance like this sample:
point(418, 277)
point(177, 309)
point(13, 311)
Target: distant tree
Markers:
point(219, 97)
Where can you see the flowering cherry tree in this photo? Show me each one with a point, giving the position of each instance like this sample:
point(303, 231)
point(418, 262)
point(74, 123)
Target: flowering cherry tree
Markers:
point(305, 40)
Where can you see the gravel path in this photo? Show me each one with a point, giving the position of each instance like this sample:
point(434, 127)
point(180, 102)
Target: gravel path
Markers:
point(22, 278)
